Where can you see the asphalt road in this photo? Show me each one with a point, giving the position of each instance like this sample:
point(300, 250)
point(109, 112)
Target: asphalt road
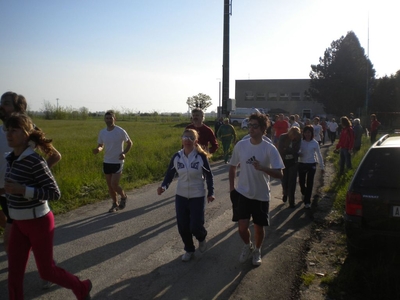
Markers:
point(136, 253)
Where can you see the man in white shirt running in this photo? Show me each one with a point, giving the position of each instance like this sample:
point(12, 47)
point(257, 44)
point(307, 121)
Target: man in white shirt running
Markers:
point(112, 138)
point(258, 160)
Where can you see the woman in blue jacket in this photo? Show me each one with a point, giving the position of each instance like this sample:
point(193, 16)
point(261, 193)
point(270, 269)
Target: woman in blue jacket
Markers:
point(192, 166)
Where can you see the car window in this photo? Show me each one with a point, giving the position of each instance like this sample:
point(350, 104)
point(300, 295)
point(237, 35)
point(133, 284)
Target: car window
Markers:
point(380, 169)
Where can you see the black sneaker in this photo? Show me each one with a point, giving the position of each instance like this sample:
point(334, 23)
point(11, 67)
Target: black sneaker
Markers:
point(122, 203)
point(113, 208)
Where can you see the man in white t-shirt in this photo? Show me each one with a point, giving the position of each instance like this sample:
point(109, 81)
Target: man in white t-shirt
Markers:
point(258, 160)
point(112, 139)
point(317, 130)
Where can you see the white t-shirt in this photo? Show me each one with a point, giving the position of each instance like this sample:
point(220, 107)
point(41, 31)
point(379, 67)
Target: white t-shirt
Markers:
point(317, 132)
point(113, 142)
point(310, 153)
point(252, 183)
point(333, 126)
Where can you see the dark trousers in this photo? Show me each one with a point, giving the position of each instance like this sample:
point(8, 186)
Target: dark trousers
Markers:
point(332, 136)
point(306, 180)
point(226, 144)
point(344, 159)
point(289, 182)
point(190, 219)
point(373, 135)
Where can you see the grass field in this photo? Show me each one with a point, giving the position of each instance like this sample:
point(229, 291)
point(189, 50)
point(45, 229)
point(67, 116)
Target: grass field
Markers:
point(79, 173)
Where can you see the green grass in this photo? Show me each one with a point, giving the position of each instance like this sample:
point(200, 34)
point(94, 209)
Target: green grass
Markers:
point(79, 173)
point(307, 278)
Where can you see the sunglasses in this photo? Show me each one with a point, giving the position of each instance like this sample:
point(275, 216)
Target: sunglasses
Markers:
point(253, 125)
point(186, 138)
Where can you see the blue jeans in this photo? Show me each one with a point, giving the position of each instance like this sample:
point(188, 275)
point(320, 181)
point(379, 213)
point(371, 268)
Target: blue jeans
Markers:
point(190, 219)
point(345, 158)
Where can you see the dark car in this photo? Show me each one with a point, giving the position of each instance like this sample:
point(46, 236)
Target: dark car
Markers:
point(373, 198)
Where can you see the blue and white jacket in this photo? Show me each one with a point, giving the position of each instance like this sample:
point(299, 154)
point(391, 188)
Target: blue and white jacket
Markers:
point(192, 171)
point(31, 170)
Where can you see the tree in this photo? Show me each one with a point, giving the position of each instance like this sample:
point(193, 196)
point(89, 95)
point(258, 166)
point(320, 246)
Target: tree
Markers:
point(386, 94)
point(202, 101)
point(343, 77)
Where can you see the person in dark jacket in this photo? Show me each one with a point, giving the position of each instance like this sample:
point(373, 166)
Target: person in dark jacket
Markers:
point(288, 147)
point(227, 134)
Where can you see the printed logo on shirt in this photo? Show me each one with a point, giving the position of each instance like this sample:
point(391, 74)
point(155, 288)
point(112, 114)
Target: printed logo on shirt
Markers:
point(180, 165)
point(251, 160)
point(195, 165)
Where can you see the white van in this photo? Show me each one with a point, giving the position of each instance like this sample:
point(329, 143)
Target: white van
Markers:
point(240, 113)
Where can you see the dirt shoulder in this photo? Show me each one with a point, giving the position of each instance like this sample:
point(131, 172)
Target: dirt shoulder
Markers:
point(326, 245)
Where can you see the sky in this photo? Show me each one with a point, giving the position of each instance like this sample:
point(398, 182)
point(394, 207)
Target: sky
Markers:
point(150, 56)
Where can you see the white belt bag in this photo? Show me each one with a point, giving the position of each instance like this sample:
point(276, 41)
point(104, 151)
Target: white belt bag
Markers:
point(29, 213)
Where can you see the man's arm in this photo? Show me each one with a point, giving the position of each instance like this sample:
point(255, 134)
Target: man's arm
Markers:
point(128, 146)
point(213, 142)
point(276, 173)
point(126, 150)
point(98, 148)
point(232, 176)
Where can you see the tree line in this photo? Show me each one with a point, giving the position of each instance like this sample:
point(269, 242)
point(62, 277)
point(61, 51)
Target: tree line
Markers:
point(344, 81)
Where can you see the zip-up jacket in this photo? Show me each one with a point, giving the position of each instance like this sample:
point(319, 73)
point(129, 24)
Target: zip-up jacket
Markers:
point(226, 132)
point(346, 139)
point(191, 172)
point(31, 170)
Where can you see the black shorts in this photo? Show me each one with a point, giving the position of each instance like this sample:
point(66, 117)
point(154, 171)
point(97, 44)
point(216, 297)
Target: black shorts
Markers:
point(4, 207)
point(112, 168)
point(244, 208)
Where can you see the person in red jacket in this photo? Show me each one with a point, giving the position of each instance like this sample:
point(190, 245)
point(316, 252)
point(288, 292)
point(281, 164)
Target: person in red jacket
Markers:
point(374, 128)
point(280, 126)
point(345, 144)
point(206, 134)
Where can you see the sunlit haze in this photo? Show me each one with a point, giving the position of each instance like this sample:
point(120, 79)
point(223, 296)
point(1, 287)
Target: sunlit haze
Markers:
point(149, 56)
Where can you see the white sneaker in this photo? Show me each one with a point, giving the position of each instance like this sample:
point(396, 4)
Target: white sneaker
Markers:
point(46, 284)
point(257, 257)
point(187, 256)
point(246, 252)
point(203, 246)
point(307, 206)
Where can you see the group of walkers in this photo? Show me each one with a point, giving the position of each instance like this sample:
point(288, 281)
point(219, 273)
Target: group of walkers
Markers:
point(249, 193)
point(26, 183)
point(299, 148)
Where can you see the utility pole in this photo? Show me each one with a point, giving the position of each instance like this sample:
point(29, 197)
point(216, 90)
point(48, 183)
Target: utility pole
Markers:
point(225, 66)
point(366, 118)
point(57, 104)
